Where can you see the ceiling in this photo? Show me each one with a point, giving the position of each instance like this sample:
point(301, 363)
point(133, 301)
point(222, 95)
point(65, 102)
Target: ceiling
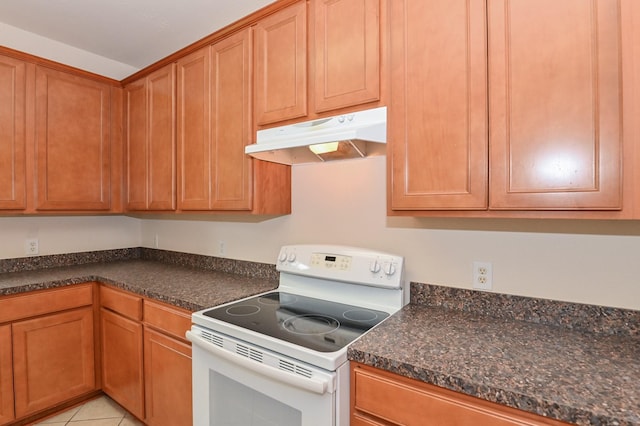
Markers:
point(132, 32)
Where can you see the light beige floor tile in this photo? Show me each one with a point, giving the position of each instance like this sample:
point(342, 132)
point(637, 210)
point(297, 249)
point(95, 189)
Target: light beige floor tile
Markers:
point(50, 424)
point(95, 422)
point(60, 419)
point(129, 420)
point(100, 408)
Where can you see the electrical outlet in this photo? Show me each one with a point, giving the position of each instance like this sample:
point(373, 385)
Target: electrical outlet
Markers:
point(31, 247)
point(156, 241)
point(482, 275)
point(221, 248)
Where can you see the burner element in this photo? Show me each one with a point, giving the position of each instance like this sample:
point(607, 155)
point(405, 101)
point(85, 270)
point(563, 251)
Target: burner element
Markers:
point(360, 315)
point(242, 310)
point(311, 324)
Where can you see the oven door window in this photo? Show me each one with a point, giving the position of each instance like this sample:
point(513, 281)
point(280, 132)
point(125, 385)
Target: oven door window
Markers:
point(230, 390)
point(232, 403)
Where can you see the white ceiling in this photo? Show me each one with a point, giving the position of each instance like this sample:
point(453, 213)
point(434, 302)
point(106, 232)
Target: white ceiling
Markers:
point(136, 33)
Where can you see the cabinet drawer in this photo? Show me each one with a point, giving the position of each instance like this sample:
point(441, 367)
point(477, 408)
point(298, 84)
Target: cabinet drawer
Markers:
point(384, 398)
point(171, 320)
point(34, 304)
point(126, 304)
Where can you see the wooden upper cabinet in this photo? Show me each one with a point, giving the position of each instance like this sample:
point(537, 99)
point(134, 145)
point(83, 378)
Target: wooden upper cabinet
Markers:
point(555, 104)
point(437, 126)
point(346, 53)
point(214, 126)
point(150, 140)
point(194, 130)
point(280, 65)
point(72, 141)
point(231, 122)
point(12, 134)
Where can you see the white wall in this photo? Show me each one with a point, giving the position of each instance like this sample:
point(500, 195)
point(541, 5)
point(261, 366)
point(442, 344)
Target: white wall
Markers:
point(58, 235)
point(592, 262)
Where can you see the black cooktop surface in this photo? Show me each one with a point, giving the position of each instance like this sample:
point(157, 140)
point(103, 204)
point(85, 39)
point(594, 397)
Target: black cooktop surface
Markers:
point(313, 323)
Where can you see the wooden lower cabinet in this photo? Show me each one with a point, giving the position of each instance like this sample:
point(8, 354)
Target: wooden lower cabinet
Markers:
point(122, 374)
point(167, 369)
point(53, 359)
point(6, 376)
point(383, 399)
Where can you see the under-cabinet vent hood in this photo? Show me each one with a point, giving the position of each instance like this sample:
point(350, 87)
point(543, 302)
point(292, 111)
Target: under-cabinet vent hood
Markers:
point(353, 135)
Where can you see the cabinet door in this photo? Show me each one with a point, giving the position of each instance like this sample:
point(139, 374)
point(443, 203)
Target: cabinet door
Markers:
point(122, 361)
point(555, 104)
point(161, 139)
point(281, 65)
point(135, 95)
point(194, 131)
point(150, 138)
point(167, 364)
point(231, 186)
point(6, 376)
point(72, 142)
point(346, 52)
point(12, 134)
point(53, 358)
point(437, 147)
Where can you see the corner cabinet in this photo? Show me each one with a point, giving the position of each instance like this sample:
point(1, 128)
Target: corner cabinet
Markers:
point(150, 141)
point(214, 126)
point(544, 133)
point(381, 398)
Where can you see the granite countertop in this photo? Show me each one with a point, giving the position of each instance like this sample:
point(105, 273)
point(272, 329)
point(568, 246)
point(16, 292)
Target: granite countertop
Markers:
point(576, 376)
point(186, 287)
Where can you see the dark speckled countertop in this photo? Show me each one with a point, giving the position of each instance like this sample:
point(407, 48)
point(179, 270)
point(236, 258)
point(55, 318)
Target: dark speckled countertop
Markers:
point(187, 287)
point(565, 373)
point(577, 363)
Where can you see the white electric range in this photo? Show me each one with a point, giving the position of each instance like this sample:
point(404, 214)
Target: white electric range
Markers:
point(280, 358)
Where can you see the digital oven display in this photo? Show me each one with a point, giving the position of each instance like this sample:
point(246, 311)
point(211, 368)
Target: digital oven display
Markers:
point(329, 258)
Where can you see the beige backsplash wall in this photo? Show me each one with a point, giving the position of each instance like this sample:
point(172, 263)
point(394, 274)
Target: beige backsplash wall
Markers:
point(592, 262)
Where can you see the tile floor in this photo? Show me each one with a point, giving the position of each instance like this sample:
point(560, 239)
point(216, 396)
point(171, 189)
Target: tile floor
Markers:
point(102, 411)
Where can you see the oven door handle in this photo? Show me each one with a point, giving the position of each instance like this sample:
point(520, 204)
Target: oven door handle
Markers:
point(315, 385)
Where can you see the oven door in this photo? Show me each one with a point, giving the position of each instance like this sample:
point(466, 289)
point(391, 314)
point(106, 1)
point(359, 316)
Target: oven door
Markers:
point(235, 383)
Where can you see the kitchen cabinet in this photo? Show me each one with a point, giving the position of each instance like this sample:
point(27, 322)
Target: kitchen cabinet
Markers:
point(6, 375)
point(343, 51)
point(280, 65)
point(382, 398)
point(50, 355)
point(214, 126)
point(122, 349)
point(72, 142)
point(550, 137)
point(13, 154)
point(346, 49)
point(150, 141)
point(167, 365)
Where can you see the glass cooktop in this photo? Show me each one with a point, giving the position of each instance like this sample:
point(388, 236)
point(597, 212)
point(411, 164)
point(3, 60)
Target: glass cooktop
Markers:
point(317, 324)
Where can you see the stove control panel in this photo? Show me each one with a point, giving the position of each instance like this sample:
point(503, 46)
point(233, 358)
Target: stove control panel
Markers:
point(342, 263)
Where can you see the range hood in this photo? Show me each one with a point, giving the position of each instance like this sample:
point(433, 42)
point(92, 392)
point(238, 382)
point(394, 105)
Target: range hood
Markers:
point(354, 135)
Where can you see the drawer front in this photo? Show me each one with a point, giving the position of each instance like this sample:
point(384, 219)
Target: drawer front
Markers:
point(383, 398)
point(44, 302)
point(124, 303)
point(169, 319)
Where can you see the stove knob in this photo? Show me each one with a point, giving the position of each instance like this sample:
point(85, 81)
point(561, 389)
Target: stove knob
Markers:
point(292, 257)
point(374, 267)
point(389, 268)
point(283, 256)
